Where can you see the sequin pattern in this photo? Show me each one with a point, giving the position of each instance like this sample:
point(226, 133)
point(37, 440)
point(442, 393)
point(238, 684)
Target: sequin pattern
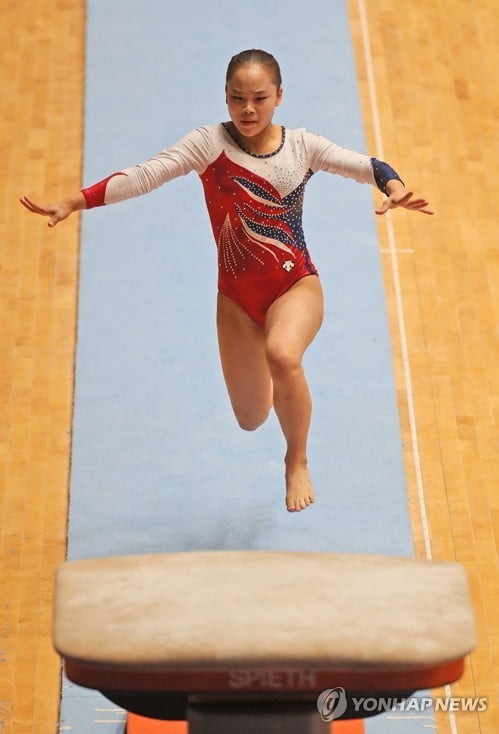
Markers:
point(254, 226)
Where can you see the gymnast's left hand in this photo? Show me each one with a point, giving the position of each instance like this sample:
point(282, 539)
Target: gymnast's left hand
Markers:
point(399, 196)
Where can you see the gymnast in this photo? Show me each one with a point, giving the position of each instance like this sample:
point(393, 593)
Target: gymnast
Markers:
point(269, 303)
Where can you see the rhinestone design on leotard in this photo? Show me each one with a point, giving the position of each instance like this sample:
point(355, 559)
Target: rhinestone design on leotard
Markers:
point(255, 228)
point(258, 155)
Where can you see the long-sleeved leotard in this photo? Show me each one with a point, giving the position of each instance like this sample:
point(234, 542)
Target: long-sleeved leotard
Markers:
point(254, 202)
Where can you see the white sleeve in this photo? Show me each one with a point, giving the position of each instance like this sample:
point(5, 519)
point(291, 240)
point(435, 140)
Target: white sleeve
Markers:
point(323, 155)
point(190, 153)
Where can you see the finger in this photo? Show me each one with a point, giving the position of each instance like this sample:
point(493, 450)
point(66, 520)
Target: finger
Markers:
point(384, 207)
point(404, 200)
point(392, 202)
point(44, 210)
point(421, 206)
point(35, 208)
point(417, 203)
point(26, 203)
point(54, 220)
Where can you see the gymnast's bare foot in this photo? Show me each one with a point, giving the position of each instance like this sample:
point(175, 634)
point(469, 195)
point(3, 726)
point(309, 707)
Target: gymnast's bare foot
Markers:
point(299, 490)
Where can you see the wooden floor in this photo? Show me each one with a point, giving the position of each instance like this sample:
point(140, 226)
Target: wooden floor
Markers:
point(435, 112)
point(41, 81)
point(434, 72)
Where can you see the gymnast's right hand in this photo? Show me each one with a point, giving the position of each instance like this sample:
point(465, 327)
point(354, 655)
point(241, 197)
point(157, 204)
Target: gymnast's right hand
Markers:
point(57, 212)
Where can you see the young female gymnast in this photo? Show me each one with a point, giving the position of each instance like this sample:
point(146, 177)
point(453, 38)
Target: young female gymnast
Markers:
point(270, 303)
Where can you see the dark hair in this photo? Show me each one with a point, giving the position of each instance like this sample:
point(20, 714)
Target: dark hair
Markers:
point(254, 56)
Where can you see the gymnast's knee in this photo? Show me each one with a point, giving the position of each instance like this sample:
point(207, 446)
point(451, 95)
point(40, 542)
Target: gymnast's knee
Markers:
point(282, 361)
point(251, 420)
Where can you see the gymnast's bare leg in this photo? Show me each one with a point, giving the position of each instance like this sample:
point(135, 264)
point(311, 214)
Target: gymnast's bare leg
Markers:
point(263, 367)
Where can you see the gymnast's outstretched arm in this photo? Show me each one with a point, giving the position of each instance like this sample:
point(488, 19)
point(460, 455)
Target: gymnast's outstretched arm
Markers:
point(190, 153)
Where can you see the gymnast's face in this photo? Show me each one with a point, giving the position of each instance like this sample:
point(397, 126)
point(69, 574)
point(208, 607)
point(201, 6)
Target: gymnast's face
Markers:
point(252, 96)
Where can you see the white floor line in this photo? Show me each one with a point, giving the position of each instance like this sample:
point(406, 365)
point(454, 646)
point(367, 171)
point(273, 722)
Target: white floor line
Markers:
point(398, 301)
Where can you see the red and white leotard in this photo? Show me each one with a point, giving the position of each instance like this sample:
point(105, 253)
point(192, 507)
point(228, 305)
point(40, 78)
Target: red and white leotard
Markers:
point(254, 203)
